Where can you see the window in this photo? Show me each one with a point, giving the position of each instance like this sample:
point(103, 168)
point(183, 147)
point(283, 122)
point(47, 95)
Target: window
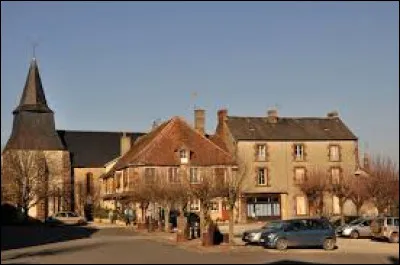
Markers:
point(125, 177)
point(301, 205)
point(194, 175)
point(183, 155)
point(299, 152)
point(261, 178)
point(334, 154)
point(389, 221)
point(336, 207)
point(195, 205)
point(117, 179)
point(149, 175)
point(335, 175)
point(173, 175)
point(396, 221)
point(299, 175)
point(214, 206)
point(261, 154)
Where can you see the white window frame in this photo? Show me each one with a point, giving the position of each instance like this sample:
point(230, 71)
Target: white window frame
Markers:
point(197, 175)
point(194, 205)
point(174, 177)
point(214, 206)
point(299, 152)
point(145, 175)
point(334, 153)
point(261, 151)
point(261, 176)
point(183, 156)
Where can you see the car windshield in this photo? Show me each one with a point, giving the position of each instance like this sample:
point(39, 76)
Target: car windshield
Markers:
point(273, 225)
point(72, 214)
point(355, 222)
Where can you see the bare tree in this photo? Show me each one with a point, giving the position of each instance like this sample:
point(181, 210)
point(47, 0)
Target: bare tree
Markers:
point(230, 191)
point(314, 186)
point(383, 176)
point(342, 189)
point(205, 190)
point(359, 192)
point(25, 178)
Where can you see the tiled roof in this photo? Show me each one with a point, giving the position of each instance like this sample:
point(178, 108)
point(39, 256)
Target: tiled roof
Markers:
point(160, 147)
point(93, 149)
point(259, 128)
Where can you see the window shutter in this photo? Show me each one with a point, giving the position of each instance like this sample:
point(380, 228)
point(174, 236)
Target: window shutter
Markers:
point(340, 152)
point(256, 176)
point(268, 176)
point(255, 152)
point(266, 152)
point(294, 152)
point(304, 152)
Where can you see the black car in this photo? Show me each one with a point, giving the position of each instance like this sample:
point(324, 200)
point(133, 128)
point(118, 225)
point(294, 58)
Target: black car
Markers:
point(301, 233)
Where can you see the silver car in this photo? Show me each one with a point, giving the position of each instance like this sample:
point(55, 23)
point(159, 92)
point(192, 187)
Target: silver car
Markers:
point(66, 218)
point(386, 228)
point(358, 228)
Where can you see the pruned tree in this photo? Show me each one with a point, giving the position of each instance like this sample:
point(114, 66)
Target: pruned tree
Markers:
point(359, 192)
point(25, 178)
point(314, 186)
point(205, 189)
point(341, 187)
point(231, 191)
point(383, 176)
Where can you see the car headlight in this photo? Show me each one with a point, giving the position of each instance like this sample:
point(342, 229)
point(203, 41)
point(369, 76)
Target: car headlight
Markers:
point(256, 236)
point(347, 231)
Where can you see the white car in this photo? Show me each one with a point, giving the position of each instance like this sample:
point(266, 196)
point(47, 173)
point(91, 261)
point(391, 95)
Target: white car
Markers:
point(67, 218)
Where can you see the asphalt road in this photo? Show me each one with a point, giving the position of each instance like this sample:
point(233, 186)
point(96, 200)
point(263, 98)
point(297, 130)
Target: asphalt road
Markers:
point(117, 245)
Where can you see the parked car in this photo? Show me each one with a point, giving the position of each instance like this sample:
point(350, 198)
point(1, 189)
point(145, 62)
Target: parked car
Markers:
point(66, 218)
point(358, 228)
point(253, 236)
point(386, 228)
point(301, 233)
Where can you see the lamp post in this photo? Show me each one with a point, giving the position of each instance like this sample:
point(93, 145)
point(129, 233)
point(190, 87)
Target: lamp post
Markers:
point(357, 174)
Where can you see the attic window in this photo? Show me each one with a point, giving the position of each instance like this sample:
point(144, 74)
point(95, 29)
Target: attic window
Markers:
point(183, 155)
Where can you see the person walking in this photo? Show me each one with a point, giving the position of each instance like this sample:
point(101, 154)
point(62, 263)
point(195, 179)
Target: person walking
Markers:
point(126, 216)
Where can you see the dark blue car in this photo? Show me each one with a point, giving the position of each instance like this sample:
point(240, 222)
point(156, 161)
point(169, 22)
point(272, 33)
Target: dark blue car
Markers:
point(301, 233)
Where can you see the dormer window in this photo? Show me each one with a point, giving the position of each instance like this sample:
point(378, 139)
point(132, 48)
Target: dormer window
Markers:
point(184, 156)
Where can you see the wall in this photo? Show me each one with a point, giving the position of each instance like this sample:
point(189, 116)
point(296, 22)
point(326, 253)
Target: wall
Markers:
point(281, 166)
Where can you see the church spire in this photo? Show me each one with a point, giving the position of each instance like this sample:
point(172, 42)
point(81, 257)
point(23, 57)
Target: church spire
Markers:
point(33, 98)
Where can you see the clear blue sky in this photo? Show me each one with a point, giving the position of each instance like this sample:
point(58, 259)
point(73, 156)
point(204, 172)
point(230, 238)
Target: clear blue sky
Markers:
point(121, 65)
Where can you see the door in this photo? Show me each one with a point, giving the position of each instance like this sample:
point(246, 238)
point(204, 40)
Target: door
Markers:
point(224, 212)
point(365, 228)
point(297, 234)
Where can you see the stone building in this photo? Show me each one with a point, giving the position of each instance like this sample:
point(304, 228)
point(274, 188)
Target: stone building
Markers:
point(74, 159)
point(280, 152)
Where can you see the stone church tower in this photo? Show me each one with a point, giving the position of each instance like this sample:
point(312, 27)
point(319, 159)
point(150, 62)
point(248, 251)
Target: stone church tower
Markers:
point(34, 130)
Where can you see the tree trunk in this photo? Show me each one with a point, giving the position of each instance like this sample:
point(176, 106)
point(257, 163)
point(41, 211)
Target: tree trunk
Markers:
point(167, 211)
point(231, 226)
point(202, 223)
point(341, 204)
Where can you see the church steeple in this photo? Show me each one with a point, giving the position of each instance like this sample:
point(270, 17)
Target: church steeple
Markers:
point(34, 126)
point(33, 98)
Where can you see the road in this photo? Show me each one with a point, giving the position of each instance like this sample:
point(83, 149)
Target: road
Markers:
point(119, 245)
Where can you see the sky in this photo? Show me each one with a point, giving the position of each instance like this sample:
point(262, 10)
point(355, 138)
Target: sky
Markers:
point(118, 66)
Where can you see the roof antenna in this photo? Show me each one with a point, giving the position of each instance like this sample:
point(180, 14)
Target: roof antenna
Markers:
point(194, 96)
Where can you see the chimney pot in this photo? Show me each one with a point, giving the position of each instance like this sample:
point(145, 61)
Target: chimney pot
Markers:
point(222, 115)
point(272, 115)
point(125, 143)
point(333, 114)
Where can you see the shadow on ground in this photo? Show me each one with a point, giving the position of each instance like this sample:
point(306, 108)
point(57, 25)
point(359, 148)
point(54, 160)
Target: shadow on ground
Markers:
point(50, 252)
point(291, 262)
point(13, 237)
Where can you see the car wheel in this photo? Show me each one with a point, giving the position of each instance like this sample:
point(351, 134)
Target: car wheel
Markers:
point(281, 244)
point(354, 235)
point(329, 244)
point(394, 238)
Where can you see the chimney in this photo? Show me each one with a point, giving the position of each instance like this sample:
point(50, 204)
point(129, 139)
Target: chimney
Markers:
point(272, 116)
point(222, 115)
point(332, 114)
point(199, 120)
point(125, 143)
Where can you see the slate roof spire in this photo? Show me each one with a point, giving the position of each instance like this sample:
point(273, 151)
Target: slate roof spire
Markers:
point(33, 98)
